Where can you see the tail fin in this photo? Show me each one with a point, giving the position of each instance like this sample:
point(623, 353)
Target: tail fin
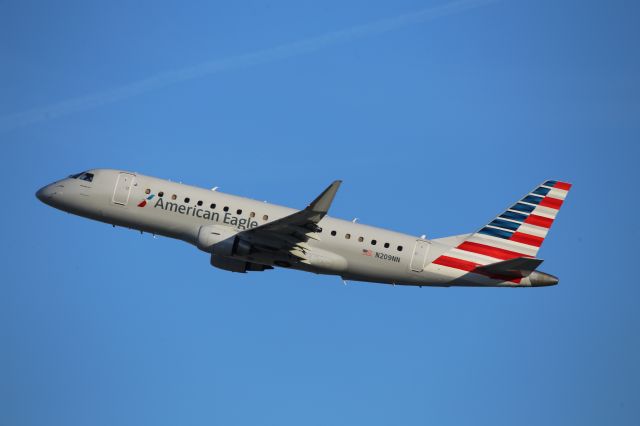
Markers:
point(517, 232)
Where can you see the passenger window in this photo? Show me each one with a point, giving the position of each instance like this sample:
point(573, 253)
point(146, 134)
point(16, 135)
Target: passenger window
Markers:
point(386, 245)
point(399, 248)
point(212, 206)
point(239, 211)
point(174, 197)
point(360, 239)
point(265, 217)
point(160, 194)
point(186, 200)
point(147, 191)
point(252, 214)
point(333, 233)
point(374, 242)
point(226, 209)
point(347, 236)
point(199, 202)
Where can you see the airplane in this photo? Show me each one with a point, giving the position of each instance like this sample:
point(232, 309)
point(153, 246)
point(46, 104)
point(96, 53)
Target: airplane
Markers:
point(244, 235)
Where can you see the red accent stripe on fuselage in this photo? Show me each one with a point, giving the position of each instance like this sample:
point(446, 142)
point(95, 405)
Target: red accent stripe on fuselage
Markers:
point(452, 262)
point(465, 265)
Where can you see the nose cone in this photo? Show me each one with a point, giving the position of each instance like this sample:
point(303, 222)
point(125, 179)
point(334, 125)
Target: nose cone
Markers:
point(46, 194)
point(41, 194)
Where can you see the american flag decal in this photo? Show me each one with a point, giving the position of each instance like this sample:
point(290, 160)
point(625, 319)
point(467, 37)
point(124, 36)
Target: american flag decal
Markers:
point(366, 252)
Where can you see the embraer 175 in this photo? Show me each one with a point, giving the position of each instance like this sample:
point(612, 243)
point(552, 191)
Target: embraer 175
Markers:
point(245, 235)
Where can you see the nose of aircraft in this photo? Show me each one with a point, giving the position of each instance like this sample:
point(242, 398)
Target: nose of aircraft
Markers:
point(40, 194)
point(46, 193)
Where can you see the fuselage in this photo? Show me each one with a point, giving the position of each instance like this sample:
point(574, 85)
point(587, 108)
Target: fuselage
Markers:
point(352, 250)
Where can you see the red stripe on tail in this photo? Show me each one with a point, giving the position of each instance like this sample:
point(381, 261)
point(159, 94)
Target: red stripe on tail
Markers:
point(495, 252)
point(562, 185)
point(554, 203)
point(536, 220)
point(531, 240)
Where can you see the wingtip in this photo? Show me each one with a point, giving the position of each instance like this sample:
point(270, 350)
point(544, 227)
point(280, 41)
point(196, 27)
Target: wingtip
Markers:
point(323, 201)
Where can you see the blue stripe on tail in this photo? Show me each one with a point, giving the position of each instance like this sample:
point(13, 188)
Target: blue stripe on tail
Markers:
point(496, 232)
point(505, 224)
point(532, 199)
point(541, 191)
point(526, 208)
point(514, 216)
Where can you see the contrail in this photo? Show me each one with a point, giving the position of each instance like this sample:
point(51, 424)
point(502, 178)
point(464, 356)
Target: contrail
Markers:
point(94, 100)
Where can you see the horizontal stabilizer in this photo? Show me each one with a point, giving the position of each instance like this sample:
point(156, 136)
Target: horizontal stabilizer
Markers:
point(513, 268)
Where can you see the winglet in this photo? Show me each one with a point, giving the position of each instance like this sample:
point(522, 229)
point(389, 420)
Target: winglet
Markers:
point(322, 203)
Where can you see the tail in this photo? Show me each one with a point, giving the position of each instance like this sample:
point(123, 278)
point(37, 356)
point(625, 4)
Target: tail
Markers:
point(516, 233)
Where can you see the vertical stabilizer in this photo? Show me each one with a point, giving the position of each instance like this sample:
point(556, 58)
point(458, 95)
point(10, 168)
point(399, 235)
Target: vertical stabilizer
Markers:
point(516, 233)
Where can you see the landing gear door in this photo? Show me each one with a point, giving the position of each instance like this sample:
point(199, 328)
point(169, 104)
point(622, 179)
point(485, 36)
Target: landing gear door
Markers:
point(419, 257)
point(121, 192)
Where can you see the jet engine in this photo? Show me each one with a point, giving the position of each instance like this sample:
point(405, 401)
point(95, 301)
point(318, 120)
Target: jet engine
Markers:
point(236, 265)
point(222, 241)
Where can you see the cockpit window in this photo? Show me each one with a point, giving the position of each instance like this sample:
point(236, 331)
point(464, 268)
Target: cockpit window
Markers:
point(86, 176)
point(83, 176)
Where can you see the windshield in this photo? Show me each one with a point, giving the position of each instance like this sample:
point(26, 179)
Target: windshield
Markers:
point(88, 177)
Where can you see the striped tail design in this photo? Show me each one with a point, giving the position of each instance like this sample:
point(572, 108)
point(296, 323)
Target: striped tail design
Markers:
point(518, 232)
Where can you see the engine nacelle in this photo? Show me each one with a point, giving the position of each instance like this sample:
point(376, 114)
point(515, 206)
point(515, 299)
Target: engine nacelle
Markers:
point(232, 246)
point(221, 240)
point(236, 265)
point(210, 235)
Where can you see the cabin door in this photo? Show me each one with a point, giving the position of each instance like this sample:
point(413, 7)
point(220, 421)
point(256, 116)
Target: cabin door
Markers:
point(419, 257)
point(123, 188)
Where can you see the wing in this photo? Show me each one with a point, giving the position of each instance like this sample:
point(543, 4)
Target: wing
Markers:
point(289, 235)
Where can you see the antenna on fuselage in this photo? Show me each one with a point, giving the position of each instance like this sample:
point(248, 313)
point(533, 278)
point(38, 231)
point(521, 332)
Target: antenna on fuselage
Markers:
point(355, 219)
point(215, 188)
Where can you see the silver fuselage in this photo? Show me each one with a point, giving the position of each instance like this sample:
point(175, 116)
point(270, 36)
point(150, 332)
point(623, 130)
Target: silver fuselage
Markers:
point(175, 210)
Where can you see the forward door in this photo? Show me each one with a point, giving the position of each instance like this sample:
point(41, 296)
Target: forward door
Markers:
point(121, 192)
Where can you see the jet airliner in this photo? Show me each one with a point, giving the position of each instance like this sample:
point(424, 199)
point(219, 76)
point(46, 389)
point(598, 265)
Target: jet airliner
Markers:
point(244, 235)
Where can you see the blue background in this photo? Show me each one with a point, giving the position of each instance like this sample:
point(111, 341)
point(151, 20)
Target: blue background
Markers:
point(435, 127)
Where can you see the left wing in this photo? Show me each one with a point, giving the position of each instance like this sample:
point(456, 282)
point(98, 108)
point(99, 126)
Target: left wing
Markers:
point(289, 235)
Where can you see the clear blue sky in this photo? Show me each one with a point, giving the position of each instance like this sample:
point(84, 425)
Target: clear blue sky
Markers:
point(434, 126)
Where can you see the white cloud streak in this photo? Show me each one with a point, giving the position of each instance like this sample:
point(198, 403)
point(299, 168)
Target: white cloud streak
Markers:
point(167, 78)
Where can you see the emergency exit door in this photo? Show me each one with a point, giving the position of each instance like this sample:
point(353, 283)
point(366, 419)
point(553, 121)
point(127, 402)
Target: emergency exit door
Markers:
point(123, 188)
point(419, 257)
